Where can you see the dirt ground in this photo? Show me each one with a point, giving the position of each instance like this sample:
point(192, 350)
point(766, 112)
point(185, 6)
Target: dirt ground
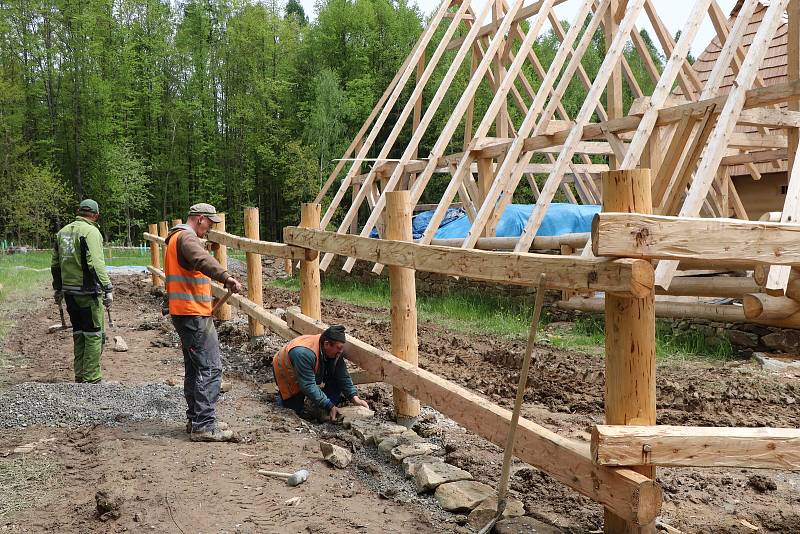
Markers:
point(172, 485)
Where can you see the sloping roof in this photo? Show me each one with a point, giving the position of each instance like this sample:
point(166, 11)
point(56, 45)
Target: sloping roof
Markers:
point(772, 71)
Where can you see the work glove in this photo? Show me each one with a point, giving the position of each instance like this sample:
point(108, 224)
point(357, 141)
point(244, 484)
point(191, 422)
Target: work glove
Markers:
point(58, 296)
point(108, 299)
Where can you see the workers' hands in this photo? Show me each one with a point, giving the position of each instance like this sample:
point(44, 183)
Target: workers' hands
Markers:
point(233, 284)
point(108, 299)
point(58, 296)
point(333, 413)
point(358, 401)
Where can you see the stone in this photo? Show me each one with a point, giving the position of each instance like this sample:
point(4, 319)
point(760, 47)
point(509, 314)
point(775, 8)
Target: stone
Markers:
point(463, 495)
point(487, 509)
point(388, 443)
point(120, 345)
point(776, 365)
point(335, 455)
point(108, 504)
point(429, 476)
point(393, 430)
point(524, 525)
point(225, 387)
point(367, 429)
point(400, 452)
point(412, 463)
point(743, 339)
point(783, 340)
point(354, 413)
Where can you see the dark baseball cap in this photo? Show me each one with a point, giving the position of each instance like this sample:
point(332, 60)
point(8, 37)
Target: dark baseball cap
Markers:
point(206, 210)
point(89, 205)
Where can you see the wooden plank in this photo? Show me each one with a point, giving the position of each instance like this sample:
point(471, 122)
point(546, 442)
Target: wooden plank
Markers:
point(676, 446)
point(769, 118)
point(726, 123)
point(265, 248)
point(675, 238)
point(630, 277)
point(627, 493)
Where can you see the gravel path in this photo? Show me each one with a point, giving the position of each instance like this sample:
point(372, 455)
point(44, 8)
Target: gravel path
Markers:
point(71, 405)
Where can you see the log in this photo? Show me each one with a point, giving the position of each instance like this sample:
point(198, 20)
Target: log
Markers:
point(264, 248)
point(154, 238)
point(155, 255)
point(508, 243)
point(629, 494)
point(676, 446)
point(630, 327)
point(676, 238)
point(223, 313)
point(710, 286)
point(403, 297)
point(255, 279)
point(162, 233)
point(767, 307)
point(630, 277)
point(310, 285)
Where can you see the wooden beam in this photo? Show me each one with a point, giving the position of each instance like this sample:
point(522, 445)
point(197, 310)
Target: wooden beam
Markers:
point(710, 286)
point(769, 118)
point(767, 307)
point(675, 238)
point(310, 285)
point(630, 328)
point(629, 494)
point(630, 277)
point(221, 254)
point(155, 254)
point(255, 280)
point(264, 248)
point(554, 242)
point(676, 446)
point(403, 299)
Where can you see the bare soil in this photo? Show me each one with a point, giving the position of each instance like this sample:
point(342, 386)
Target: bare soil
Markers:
point(172, 485)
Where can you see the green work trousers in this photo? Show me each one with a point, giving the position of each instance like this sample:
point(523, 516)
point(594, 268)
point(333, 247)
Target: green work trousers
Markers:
point(86, 313)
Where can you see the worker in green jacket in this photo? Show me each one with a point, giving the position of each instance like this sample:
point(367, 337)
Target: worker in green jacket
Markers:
point(80, 279)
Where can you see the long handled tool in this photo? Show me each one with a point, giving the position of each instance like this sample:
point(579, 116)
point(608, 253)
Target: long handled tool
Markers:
point(221, 301)
point(110, 320)
point(63, 325)
point(502, 488)
point(292, 479)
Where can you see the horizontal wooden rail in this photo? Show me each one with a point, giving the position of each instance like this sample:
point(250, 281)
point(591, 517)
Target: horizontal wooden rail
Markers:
point(553, 242)
point(678, 238)
point(625, 277)
point(154, 238)
point(710, 286)
point(265, 248)
point(628, 494)
point(723, 313)
point(675, 446)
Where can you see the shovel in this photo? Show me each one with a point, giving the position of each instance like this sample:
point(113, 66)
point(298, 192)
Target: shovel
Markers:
point(502, 488)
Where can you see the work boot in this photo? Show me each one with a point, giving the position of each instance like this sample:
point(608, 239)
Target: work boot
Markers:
point(214, 434)
point(220, 424)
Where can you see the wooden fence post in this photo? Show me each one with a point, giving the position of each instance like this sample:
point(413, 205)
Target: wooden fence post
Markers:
point(155, 254)
point(403, 294)
point(310, 300)
point(288, 266)
point(254, 278)
point(630, 335)
point(221, 254)
point(176, 222)
point(163, 230)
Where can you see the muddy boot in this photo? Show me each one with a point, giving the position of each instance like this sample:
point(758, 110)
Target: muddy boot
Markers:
point(215, 434)
point(220, 425)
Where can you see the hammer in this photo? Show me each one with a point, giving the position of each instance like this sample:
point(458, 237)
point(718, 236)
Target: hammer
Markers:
point(292, 479)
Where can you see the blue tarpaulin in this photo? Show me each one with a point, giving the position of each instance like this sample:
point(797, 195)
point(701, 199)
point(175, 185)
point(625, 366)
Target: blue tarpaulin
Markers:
point(560, 219)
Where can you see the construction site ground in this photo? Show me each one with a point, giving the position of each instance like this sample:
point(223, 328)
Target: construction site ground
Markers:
point(169, 484)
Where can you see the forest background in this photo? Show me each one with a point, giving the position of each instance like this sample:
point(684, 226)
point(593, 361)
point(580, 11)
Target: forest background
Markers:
point(150, 106)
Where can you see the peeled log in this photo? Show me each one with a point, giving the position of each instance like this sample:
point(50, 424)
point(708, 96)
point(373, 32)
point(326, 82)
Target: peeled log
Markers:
point(766, 307)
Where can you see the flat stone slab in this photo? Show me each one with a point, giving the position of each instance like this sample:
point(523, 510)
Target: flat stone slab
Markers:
point(366, 429)
point(393, 431)
point(463, 495)
point(524, 525)
point(389, 443)
point(420, 448)
point(487, 509)
point(335, 455)
point(430, 476)
point(412, 463)
point(354, 413)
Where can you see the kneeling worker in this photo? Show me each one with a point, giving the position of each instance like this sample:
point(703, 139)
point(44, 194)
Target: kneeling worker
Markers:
point(308, 361)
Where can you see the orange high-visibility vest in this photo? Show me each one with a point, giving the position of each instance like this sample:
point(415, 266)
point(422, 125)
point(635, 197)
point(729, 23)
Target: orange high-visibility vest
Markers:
point(282, 364)
point(188, 292)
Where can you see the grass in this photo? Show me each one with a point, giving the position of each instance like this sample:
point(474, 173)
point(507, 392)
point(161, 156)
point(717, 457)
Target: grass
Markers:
point(25, 482)
point(474, 312)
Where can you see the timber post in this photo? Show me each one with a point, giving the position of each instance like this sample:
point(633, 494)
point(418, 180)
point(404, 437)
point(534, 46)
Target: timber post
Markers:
point(221, 254)
point(630, 327)
point(254, 278)
point(310, 299)
point(288, 267)
point(163, 230)
point(155, 254)
point(403, 294)
point(176, 222)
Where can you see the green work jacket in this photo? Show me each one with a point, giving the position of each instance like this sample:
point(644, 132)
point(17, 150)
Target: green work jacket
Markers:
point(78, 267)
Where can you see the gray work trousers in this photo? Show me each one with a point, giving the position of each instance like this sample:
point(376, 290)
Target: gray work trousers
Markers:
point(203, 369)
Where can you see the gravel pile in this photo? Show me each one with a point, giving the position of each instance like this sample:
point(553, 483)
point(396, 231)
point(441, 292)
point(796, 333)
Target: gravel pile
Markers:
point(74, 405)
